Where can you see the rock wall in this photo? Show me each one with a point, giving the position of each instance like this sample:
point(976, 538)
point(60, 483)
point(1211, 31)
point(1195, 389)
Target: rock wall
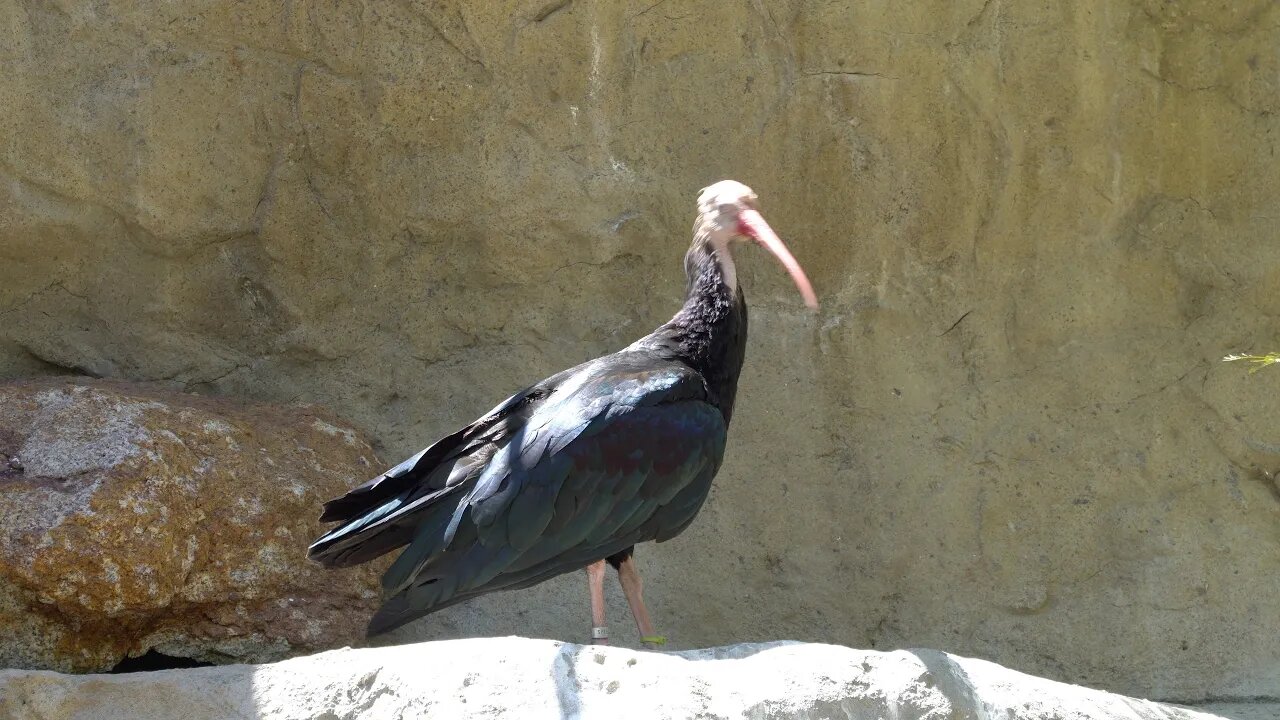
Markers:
point(1035, 228)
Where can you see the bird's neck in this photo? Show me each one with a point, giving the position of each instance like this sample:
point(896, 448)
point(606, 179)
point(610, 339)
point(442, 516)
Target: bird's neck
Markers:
point(709, 333)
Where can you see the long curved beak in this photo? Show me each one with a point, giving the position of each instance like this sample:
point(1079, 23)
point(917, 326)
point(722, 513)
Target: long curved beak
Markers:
point(752, 224)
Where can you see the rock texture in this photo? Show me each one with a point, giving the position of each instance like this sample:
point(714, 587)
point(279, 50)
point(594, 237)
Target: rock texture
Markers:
point(138, 519)
point(1035, 227)
point(519, 678)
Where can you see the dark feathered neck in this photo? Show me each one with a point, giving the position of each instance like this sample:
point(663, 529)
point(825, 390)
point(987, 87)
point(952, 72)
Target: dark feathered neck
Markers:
point(709, 333)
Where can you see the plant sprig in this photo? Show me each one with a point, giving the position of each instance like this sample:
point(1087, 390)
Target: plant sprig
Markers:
point(1258, 361)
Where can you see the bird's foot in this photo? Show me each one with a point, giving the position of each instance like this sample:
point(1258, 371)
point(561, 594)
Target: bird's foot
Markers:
point(653, 641)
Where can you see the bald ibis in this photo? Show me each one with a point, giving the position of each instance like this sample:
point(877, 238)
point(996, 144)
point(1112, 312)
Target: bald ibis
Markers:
point(576, 469)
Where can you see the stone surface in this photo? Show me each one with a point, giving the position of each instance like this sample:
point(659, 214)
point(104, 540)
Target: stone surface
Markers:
point(139, 519)
point(521, 678)
point(1034, 226)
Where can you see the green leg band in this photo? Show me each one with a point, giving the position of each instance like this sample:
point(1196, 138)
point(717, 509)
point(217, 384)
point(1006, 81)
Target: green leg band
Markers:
point(654, 640)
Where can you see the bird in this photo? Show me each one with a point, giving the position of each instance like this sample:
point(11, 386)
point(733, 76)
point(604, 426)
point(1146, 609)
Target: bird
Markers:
point(574, 471)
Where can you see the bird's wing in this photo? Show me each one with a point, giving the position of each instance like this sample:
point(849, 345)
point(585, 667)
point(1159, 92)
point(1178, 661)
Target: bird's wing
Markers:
point(616, 455)
point(382, 514)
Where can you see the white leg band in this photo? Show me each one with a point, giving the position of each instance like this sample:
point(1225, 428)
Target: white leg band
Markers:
point(600, 632)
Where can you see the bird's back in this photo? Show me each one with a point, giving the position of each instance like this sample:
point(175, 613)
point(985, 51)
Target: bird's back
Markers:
point(587, 463)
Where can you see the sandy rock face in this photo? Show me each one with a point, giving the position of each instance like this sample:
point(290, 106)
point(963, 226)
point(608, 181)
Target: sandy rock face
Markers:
point(139, 519)
point(534, 679)
point(1034, 227)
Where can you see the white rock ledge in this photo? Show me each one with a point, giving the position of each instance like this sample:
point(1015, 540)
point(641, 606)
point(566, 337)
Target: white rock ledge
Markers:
point(523, 678)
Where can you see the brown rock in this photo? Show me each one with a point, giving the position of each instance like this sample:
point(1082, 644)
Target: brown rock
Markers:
point(137, 519)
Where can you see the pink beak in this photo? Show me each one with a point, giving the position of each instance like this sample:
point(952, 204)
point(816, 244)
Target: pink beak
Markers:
point(751, 224)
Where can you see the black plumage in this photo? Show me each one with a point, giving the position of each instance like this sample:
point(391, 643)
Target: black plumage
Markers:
point(579, 467)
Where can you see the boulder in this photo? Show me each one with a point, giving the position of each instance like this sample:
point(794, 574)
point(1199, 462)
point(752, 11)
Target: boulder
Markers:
point(532, 679)
point(140, 519)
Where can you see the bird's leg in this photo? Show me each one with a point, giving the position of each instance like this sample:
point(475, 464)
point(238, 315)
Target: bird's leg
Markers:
point(595, 579)
point(633, 587)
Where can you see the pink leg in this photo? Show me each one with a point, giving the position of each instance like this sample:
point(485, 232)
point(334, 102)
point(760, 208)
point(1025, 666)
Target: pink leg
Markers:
point(633, 588)
point(595, 579)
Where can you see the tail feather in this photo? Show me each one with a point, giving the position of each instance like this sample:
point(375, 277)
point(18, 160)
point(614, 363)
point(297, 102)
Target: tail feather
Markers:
point(380, 530)
point(383, 514)
point(390, 484)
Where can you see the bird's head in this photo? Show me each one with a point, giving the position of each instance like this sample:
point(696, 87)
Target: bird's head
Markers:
point(727, 213)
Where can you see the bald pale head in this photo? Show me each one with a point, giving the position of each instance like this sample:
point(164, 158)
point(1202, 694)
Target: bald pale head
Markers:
point(724, 198)
point(727, 212)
